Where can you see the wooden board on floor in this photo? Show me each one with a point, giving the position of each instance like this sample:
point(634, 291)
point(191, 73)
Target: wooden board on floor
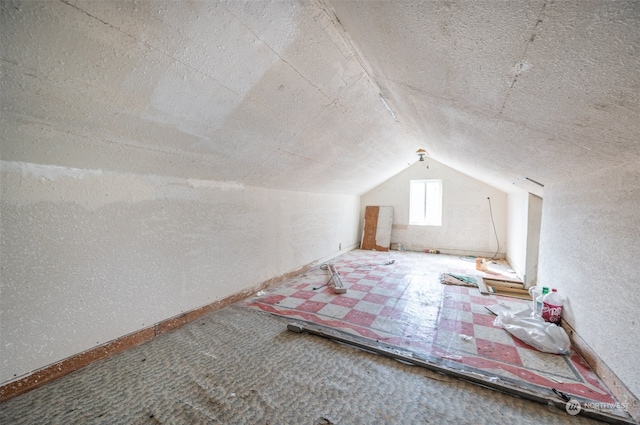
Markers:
point(503, 283)
point(511, 292)
point(481, 286)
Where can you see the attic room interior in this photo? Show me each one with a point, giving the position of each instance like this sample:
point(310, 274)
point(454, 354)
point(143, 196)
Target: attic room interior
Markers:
point(177, 178)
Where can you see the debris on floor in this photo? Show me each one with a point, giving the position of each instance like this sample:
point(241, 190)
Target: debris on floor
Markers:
point(507, 288)
point(482, 264)
point(499, 309)
point(406, 308)
point(334, 281)
point(463, 280)
point(457, 279)
point(386, 263)
point(534, 331)
point(322, 381)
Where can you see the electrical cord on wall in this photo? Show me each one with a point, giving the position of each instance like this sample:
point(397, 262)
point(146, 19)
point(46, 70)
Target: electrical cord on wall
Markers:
point(494, 230)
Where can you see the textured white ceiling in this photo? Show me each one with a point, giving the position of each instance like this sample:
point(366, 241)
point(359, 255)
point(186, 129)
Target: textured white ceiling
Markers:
point(322, 96)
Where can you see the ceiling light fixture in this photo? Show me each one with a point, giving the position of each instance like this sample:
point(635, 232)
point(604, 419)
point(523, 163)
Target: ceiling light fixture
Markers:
point(421, 153)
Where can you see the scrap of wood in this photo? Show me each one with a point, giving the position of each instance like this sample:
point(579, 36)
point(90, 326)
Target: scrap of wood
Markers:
point(481, 286)
point(509, 289)
point(503, 278)
point(504, 283)
point(510, 292)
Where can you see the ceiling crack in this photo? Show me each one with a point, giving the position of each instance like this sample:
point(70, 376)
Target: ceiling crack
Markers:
point(277, 54)
point(342, 31)
point(334, 102)
point(524, 54)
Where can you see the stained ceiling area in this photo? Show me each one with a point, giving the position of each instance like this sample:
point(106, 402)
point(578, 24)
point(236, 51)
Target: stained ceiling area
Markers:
point(322, 96)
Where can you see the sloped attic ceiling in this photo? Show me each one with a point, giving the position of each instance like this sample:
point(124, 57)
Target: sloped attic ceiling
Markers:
point(507, 89)
point(321, 96)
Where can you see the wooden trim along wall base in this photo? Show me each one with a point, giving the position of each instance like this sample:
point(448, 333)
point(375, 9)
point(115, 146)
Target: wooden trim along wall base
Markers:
point(610, 379)
point(80, 360)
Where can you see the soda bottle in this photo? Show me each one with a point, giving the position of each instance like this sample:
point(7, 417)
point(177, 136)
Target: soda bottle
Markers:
point(552, 307)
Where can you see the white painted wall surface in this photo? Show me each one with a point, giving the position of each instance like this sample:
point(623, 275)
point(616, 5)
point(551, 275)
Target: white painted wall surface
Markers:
point(534, 223)
point(466, 221)
point(89, 256)
point(517, 230)
point(589, 250)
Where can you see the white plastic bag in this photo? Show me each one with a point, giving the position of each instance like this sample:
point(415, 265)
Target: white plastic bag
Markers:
point(543, 336)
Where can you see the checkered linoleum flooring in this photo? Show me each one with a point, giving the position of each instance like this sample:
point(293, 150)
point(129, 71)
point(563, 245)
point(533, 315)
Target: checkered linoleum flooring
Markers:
point(404, 305)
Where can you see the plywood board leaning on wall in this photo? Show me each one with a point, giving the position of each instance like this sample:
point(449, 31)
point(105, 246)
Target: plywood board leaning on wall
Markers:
point(377, 228)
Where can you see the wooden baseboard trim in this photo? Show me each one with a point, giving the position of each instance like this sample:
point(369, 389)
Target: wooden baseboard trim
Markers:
point(610, 379)
point(71, 364)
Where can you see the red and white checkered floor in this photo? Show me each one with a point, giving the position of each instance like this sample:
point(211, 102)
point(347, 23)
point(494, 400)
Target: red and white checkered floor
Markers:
point(404, 305)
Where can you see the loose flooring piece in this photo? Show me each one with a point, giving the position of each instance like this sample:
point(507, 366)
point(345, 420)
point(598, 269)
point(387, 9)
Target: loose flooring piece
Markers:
point(403, 305)
point(241, 366)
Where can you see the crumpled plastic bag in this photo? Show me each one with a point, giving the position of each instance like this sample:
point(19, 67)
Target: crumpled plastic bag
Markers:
point(535, 331)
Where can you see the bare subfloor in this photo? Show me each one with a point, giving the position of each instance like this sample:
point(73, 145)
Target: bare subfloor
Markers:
point(240, 366)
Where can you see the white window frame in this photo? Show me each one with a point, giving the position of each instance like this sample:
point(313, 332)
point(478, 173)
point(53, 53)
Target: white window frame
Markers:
point(425, 202)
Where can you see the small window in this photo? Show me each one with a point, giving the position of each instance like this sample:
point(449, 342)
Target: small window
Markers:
point(425, 203)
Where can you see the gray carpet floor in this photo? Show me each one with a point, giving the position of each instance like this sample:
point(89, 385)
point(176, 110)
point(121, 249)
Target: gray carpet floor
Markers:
point(240, 366)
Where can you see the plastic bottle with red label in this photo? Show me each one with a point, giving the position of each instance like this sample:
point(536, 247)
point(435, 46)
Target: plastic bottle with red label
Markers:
point(552, 307)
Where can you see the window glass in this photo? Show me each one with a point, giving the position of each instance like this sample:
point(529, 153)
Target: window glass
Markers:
point(425, 202)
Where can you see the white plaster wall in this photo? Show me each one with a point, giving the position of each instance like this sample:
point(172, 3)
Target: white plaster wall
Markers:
point(589, 250)
point(517, 230)
point(466, 221)
point(534, 223)
point(89, 256)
